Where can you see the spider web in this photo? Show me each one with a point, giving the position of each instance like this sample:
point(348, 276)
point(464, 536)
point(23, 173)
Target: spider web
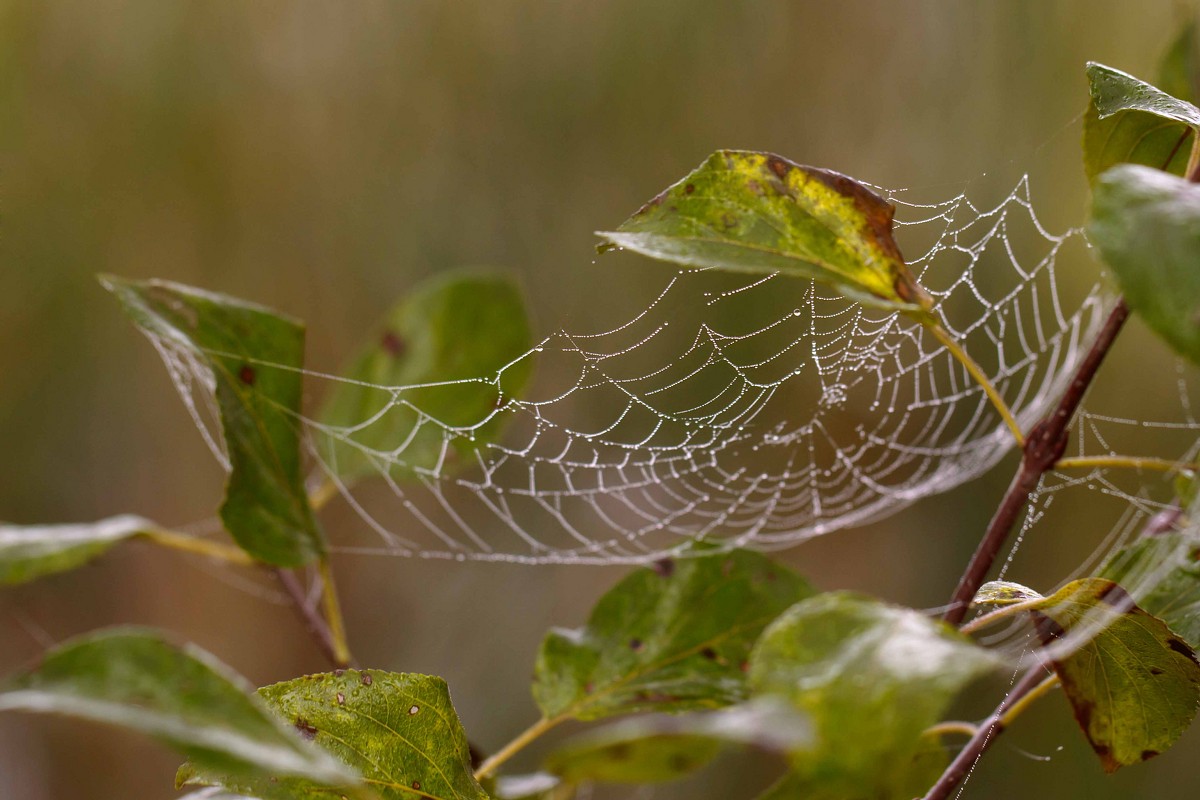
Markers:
point(747, 412)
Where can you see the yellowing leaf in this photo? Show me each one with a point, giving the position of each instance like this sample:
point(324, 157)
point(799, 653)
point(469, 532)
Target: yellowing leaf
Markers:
point(1134, 685)
point(758, 212)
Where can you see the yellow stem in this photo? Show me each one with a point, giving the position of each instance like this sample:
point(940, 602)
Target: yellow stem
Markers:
point(1128, 462)
point(950, 727)
point(976, 372)
point(323, 494)
point(333, 613)
point(204, 547)
point(515, 746)
point(1014, 711)
point(1004, 612)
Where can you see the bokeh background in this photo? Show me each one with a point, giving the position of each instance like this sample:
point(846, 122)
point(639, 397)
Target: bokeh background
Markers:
point(321, 158)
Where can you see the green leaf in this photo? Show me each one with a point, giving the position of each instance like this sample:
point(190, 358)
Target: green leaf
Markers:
point(180, 695)
point(255, 356)
point(1163, 575)
point(28, 552)
point(1179, 72)
point(450, 338)
point(1133, 684)
point(656, 749)
point(760, 213)
point(1130, 121)
point(399, 731)
point(533, 786)
point(672, 638)
point(639, 756)
point(912, 780)
point(871, 677)
point(1146, 225)
point(1004, 593)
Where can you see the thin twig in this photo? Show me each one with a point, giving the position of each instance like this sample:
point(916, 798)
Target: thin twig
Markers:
point(313, 621)
point(1043, 448)
point(1033, 683)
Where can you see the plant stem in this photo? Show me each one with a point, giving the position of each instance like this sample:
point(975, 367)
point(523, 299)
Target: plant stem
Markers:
point(1032, 684)
point(312, 620)
point(203, 547)
point(1127, 462)
point(981, 622)
point(1042, 450)
point(323, 494)
point(333, 615)
point(951, 726)
point(518, 744)
point(980, 377)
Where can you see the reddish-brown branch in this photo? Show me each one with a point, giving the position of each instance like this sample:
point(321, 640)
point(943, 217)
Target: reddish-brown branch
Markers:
point(987, 732)
point(1043, 447)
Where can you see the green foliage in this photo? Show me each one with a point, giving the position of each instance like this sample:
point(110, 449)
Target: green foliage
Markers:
point(871, 677)
point(653, 749)
point(636, 756)
point(1179, 73)
point(911, 781)
point(182, 696)
point(1133, 684)
point(758, 212)
point(1163, 575)
point(444, 337)
point(672, 638)
point(30, 552)
point(1146, 225)
point(255, 356)
point(399, 731)
point(1130, 121)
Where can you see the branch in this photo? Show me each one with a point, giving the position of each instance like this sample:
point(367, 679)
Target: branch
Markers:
point(313, 621)
point(993, 726)
point(1043, 448)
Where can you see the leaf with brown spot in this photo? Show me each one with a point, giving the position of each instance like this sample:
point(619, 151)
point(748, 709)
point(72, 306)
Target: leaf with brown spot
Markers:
point(650, 640)
point(255, 357)
point(760, 213)
point(456, 341)
point(367, 724)
point(1133, 684)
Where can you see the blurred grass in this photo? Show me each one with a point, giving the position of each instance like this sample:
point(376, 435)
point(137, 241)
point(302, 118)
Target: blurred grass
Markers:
point(321, 158)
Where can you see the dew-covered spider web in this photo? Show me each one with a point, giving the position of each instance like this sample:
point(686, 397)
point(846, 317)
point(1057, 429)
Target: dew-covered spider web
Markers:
point(744, 411)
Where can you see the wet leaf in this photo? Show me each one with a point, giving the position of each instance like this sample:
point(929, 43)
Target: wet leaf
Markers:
point(399, 731)
point(180, 695)
point(670, 638)
point(1146, 225)
point(1133, 684)
point(255, 356)
point(451, 338)
point(760, 213)
point(1163, 575)
point(1003, 593)
point(656, 749)
point(1130, 121)
point(28, 552)
point(871, 677)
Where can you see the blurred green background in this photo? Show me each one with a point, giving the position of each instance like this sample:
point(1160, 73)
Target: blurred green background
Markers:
point(321, 158)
